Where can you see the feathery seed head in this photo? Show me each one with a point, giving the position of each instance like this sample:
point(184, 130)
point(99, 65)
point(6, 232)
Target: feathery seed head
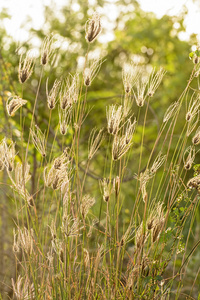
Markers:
point(38, 140)
point(114, 116)
point(155, 80)
point(8, 154)
point(25, 240)
point(127, 236)
point(140, 94)
point(130, 129)
point(95, 141)
point(194, 183)
point(193, 108)
point(71, 226)
point(47, 49)
point(57, 174)
point(52, 96)
point(64, 120)
point(130, 74)
point(105, 189)
point(69, 92)
point(93, 28)
point(171, 111)
point(155, 221)
point(22, 175)
point(13, 103)
point(144, 178)
point(120, 147)
point(91, 72)
point(86, 203)
point(25, 67)
point(116, 185)
point(196, 138)
point(23, 289)
point(189, 157)
point(157, 164)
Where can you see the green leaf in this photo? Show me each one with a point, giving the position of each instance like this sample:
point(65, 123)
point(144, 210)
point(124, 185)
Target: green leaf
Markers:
point(197, 52)
point(191, 55)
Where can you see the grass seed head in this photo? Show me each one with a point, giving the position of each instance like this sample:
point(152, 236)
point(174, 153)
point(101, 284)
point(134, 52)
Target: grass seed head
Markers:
point(86, 203)
point(194, 183)
point(155, 80)
point(64, 120)
point(157, 163)
point(95, 141)
point(8, 154)
point(69, 92)
point(13, 104)
point(155, 221)
point(52, 96)
point(130, 129)
point(47, 50)
point(193, 108)
point(119, 147)
point(105, 189)
point(91, 72)
point(23, 289)
point(196, 138)
point(130, 74)
point(25, 67)
point(171, 111)
point(93, 28)
point(114, 117)
point(38, 138)
point(188, 158)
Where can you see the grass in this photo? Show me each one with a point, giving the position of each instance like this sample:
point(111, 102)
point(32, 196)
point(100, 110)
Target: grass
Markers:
point(76, 239)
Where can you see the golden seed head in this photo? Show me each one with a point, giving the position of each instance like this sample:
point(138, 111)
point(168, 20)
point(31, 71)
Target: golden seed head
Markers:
point(25, 67)
point(130, 74)
point(52, 96)
point(86, 203)
point(22, 288)
point(105, 188)
point(64, 120)
point(47, 49)
point(38, 138)
point(114, 117)
point(69, 92)
point(156, 220)
point(91, 71)
point(171, 111)
point(119, 147)
point(194, 183)
point(95, 141)
point(189, 157)
point(155, 80)
point(93, 28)
point(196, 138)
point(13, 103)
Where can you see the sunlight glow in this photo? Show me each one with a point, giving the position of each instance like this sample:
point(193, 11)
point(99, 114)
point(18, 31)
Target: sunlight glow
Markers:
point(27, 13)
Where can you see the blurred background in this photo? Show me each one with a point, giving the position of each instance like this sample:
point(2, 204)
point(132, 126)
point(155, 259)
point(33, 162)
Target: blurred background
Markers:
point(159, 33)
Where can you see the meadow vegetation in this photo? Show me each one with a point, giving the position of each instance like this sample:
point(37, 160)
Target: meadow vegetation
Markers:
point(100, 186)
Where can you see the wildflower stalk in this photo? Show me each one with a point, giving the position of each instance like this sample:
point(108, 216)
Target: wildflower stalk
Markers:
point(143, 130)
point(79, 111)
point(33, 113)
